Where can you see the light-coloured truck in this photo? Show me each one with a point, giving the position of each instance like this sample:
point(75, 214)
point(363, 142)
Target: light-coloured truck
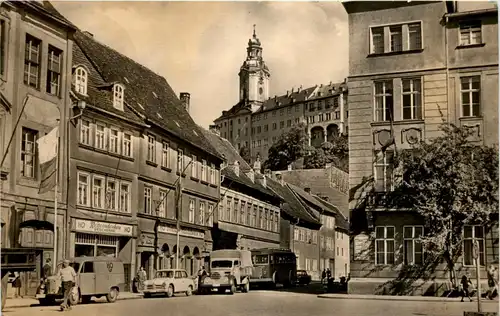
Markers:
point(229, 270)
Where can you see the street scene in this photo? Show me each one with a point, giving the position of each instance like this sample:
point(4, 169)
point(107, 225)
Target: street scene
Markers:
point(249, 158)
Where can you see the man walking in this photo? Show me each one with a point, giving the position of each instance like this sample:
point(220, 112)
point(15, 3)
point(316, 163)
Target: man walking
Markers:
point(68, 281)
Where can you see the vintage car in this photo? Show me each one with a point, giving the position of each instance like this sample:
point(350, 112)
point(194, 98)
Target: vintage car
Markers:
point(96, 277)
point(168, 282)
point(229, 270)
point(303, 277)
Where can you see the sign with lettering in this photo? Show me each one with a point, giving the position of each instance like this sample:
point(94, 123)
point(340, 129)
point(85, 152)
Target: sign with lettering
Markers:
point(184, 232)
point(94, 227)
point(361, 247)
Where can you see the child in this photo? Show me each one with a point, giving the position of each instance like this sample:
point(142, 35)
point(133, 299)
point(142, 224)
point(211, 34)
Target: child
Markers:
point(465, 287)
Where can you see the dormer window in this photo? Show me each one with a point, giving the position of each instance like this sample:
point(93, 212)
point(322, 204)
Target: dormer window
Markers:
point(118, 96)
point(80, 80)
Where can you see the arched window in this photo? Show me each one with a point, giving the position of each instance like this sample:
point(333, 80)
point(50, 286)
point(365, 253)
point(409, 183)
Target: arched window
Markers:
point(118, 96)
point(80, 80)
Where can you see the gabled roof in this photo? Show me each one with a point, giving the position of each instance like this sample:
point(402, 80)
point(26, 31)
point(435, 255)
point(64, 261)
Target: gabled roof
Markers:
point(308, 198)
point(340, 220)
point(47, 9)
point(286, 99)
point(146, 92)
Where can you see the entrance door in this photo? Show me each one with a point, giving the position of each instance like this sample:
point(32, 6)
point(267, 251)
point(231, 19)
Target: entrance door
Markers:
point(87, 278)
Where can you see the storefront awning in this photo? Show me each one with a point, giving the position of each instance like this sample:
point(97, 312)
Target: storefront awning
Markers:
point(37, 224)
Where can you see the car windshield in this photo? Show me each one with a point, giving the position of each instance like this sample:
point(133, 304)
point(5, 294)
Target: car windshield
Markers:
point(222, 264)
point(165, 274)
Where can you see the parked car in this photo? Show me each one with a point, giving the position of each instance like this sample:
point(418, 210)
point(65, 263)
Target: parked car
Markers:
point(303, 277)
point(168, 282)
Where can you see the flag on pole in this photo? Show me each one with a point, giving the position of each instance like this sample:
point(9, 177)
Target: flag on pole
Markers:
point(47, 155)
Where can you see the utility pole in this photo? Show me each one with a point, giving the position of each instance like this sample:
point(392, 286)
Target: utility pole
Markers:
point(178, 206)
point(478, 277)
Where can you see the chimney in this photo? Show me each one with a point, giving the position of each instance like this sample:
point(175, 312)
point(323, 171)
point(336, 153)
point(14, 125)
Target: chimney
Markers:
point(185, 96)
point(87, 33)
point(214, 129)
point(308, 190)
point(237, 168)
point(279, 177)
point(251, 175)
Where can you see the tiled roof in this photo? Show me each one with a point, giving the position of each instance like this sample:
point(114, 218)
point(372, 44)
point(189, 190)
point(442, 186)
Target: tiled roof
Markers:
point(285, 100)
point(340, 220)
point(309, 198)
point(294, 207)
point(326, 90)
point(146, 92)
point(47, 8)
point(234, 110)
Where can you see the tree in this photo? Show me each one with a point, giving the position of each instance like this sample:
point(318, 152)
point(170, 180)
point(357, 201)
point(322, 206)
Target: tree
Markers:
point(316, 160)
point(335, 153)
point(289, 147)
point(451, 182)
point(245, 154)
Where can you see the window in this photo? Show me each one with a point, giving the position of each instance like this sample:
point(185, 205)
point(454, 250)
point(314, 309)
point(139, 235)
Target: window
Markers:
point(125, 197)
point(204, 170)
point(413, 248)
point(254, 216)
point(151, 148)
point(289, 123)
point(396, 33)
point(384, 245)
point(275, 126)
point(412, 99)
point(98, 192)
point(383, 101)
point(28, 153)
point(470, 33)
point(242, 213)
point(180, 160)
point(100, 138)
point(32, 57)
point(210, 216)
point(470, 88)
point(213, 179)
point(191, 211)
point(85, 132)
point(473, 234)
point(83, 189)
point(276, 222)
point(377, 45)
point(127, 145)
point(3, 43)
point(384, 171)
point(80, 80)
point(111, 202)
point(114, 141)
point(118, 91)
point(194, 167)
point(282, 124)
point(148, 200)
point(202, 213)
point(236, 210)
point(415, 36)
point(266, 128)
point(165, 157)
point(162, 208)
point(54, 71)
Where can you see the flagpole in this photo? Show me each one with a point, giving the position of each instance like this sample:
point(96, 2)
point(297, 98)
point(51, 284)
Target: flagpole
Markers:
point(178, 224)
point(56, 235)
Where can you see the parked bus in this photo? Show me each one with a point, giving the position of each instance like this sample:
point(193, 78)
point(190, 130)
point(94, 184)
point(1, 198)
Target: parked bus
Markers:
point(274, 266)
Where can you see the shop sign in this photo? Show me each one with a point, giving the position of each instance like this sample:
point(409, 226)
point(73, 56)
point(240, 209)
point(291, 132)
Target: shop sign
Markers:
point(103, 228)
point(184, 232)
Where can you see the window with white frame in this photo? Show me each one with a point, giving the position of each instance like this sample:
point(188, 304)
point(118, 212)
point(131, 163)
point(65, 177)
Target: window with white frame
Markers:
point(125, 196)
point(412, 99)
point(165, 156)
point(229, 205)
point(410, 32)
point(261, 217)
point(413, 248)
point(242, 213)
point(151, 148)
point(276, 222)
point(236, 211)
point(194, 167)
point(415, 36)
point(213, 179)
point(315, 237)
point(254, 216)
point(296, 234)
point(98, 192)
point(28, 153)
point(210, 216)
point(221, 209)
point(33, 53)
point(191, 211)
point(54, 70)
point(384, 245)
point(83, 189)
point(100, 137)
point(148, 200)
point(118, 92)
point(114, 140)
point(204, 171)
point(396, 37)
point(85, 132)
point(470, 33)
point(473, 234)
point(384, 171)
point(202, 213)
point(249, 214)
point(384, 101)
point(127, 145)
point(80, 80)
point(162, 208)
point(111, 195)
point(470, 89)
point(180, 160)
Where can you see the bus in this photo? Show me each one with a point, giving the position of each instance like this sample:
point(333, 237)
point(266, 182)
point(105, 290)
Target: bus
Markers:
point(272, 266)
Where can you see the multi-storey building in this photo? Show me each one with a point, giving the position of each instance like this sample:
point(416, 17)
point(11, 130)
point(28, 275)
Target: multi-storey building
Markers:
point(257, 120)
point(410, 64)
point(248, 212)
point(35, 63)
point(139, 163)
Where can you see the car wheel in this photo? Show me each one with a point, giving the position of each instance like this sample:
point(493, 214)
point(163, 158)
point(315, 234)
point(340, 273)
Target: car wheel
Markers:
point(170, 291)
point(74, 296)
point(189, 291)
point(112, 295)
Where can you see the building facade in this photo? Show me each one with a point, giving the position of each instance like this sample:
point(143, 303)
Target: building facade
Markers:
point(408, 72)
point(258, 119)
point(35, 63)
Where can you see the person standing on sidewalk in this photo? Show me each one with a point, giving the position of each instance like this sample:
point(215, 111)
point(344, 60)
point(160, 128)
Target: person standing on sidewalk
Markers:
point(492, 282)
point(142, 276)
point(16, 284)
point(465, 287)
point(68, 281)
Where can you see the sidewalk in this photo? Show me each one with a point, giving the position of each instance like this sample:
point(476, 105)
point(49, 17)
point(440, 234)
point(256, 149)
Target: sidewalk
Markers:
point(401, 298)
point(30, 301)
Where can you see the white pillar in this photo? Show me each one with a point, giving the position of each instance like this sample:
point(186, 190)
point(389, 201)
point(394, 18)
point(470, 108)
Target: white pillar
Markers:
point(342, 107)
point(325, 134)
point(309, 136)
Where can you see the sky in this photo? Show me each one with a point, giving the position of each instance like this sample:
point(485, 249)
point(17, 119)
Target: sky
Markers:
point(199, 46)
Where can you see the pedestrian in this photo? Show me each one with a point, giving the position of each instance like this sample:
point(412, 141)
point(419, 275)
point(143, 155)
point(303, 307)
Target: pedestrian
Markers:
point(68, 281)
point(323, 276)
point(465, 282)
point(328, 273)
point(47, 268)
point(492, 282)
point(16, 284)
point(142, 276)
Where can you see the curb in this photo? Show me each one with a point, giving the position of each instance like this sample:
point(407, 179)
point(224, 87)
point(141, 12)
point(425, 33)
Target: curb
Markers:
point(27, 304)
point(398, 298)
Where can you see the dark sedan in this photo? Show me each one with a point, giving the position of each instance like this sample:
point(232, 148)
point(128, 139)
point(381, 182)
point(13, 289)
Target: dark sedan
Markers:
point(303, 277)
